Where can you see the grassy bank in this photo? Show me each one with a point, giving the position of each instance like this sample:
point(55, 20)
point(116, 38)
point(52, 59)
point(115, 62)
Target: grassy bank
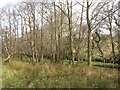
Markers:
point(19, 74)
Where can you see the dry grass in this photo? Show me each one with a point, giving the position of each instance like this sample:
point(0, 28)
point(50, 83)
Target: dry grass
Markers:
point(48, 75)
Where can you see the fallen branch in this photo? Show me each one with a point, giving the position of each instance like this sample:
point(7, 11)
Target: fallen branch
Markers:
point(8, 58)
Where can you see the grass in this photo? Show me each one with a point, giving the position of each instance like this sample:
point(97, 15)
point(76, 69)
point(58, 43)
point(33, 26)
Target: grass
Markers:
point(106, 64)
point(19, 74)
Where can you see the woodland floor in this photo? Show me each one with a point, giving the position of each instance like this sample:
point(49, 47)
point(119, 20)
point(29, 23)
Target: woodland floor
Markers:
point(18, 74)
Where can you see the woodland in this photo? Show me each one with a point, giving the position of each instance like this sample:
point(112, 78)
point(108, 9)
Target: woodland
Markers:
point(60, 44)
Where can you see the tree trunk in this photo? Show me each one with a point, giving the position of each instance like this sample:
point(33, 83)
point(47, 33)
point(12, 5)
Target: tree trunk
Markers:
point(89, 34)
point(69, 8)
point(110, 19)
point(119, 30)
point(55, 28)
point(61, 25)
point(112, 44)
point(81, 19)
point(42, 34)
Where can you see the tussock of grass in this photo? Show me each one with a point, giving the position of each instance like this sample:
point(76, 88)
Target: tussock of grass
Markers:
point(50, 75)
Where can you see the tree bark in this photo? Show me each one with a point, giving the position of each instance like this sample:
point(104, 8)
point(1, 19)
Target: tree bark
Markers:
point(69, 8)
point(89, 33)
point(81, 19)
point(55, 28)
point(42, 34)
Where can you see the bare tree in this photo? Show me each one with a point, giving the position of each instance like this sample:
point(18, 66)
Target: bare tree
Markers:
point(81, 27)
point(42, 33)
point(70, 28)
point(89, 31)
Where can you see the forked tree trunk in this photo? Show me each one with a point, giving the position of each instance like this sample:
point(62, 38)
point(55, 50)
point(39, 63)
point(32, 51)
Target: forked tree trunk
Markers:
point(110, 21)
point(69, 8)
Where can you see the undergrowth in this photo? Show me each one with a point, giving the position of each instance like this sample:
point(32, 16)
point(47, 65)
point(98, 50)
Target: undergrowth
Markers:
point(19, 74)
